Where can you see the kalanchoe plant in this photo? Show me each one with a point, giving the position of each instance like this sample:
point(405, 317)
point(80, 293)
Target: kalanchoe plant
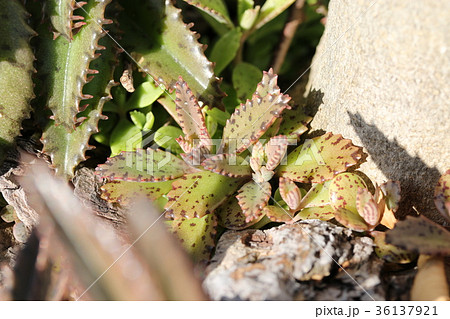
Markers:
point(232, 185)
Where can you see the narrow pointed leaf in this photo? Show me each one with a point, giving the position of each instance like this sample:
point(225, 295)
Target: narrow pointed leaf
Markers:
point(225, 49)
point(199, 194)
point(290, 193)
point(420, 235)
point(442, 195)
point(351, 220)
point(144, 166)
point(391, 253)
point(367, 207)
point(320, 212)
point(215, 8)
point(228, 164)
point(343, 189)
point(62, 17)
point(317, 196)
point(166, 48)
point(278, 214)
point(275, 150)
point(252, 198)
point(231, 216)
point(197, 236)
point(124, 193)
point(320, 159)
point(16, 70)
point(270, 10)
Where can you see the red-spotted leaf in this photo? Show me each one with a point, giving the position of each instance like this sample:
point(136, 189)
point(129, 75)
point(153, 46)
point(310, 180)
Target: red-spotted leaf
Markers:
point(268, 84)
point(228, 164)
point(199, 194)
point(290, 193)
point(343, 189)
point(368, 208)
point(278, 214)
point(197, 236)
point(391, 191)
point(231, 216)
point(322, 213)
point(124, 192)
point(294, 123)
point(350, 220)
point(252, 198)
point(391, 253)
point(320, 159)
point(442, 195)
point(420, 235)
point(275, 150)
point(317, 196)
point(144, 166)
point(257, 158)
point(252, 119)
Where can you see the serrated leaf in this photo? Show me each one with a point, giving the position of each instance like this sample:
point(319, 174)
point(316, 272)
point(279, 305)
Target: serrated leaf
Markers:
point(317, 196)
point(215, 8)
point(64, 84)
point(278, 214)
point(252, 198)
point(270, 10)
point(225, 49)
point(420, 235)
point(391, 191)
point(320, 159)
point(257, 158)
point(230, 215)
point(391, 253)
point(199, 194)
point(268, 84)
point(368, 208)
point(343, 189)
point(294, 123)
point(143, 166)
point(252, 119)
point(275, 149)
point(16, 70)
point(290, 193)
point(319, 212)
point(442, 195)
point(62, 17)
point(166, 48)
point(230, 165)
point(197, 236)
point(351, 220)
point(245, 78)
point(124, 192)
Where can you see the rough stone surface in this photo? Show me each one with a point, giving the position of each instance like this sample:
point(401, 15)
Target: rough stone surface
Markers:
point(294, 262)
point(380, 77)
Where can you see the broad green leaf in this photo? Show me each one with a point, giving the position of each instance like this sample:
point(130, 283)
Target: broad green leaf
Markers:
point(252, 198)
point(290, 193)
point(165, 137)
point(391, 253)
point(278, 214)
point(138, 118)
point(351, 220)
point(420, 235)
point(221, 117)
point(252, 119)
point(144, 95)
point(66, 65)
point(197, 236)
point(317, 196)
point(343, 189)
point(149, 121)
point(215, 8)
point(442, 195)
point(230, 165)
point(245, 78)
point(270, 10)
point(211, 125)
point(320, 159)
point(125, 193)
point(125, 137)
point(62, 17)
point(165, 47)
point(225, 49)
point(294, 123)
point(319, 212)
point(16, 70)
point(230, 215)
point(143, 166)
point(199, 194)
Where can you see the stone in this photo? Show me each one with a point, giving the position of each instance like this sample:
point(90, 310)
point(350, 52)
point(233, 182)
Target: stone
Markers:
point(380, 77)
point(310, 260)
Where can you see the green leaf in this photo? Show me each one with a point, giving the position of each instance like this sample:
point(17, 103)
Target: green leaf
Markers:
point(229, 165)
point(220, 116)
point(420, 235)
point(350, 220)
point(138, 118)
point(442, 195)
point(197, 236)
point(245, 78)
point(149, 121)
point(166, 48)
point(16, 70)
point(252, 119)
point(248, 18)
point(317, 196)
point(199, 194)
point(343, 189)
point(62, 17)
point(144, 95)
point(319, 212)
point(165, 137)
point(270, 10)
point(225, 49)
point(294, 123)
point(125, 137)
point(211, 125)
point(391, 253)
point(244, 5)
point(215, 8)
point(278, 214)
point(230, 215)
point(143, 166)
point(320, 159)
point(252, 198)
